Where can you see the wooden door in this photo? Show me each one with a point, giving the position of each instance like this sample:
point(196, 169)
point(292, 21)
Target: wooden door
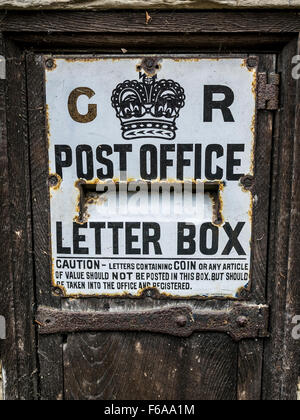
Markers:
point(141, 365)
point(144, 365)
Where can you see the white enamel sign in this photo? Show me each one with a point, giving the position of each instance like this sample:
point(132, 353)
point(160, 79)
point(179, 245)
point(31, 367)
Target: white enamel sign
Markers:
point(145, 175)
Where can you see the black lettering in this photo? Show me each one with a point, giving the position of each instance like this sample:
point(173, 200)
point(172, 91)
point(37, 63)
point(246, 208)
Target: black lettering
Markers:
point(59, 161)
point(109, 174)
point(233, 241)
point(198, 161)
point(210, 150)
point(154, 239)
point(115, 229)
point(148, 149)
point(87, 174)
point(204, 247)
point(123, 149)
point(224, 105)
point(59, 240)
point(79, 238)
point(98, 227)
point(232, 162)
point(164, 162)
point(181, 161)
point(186, 239)
point(130, 239)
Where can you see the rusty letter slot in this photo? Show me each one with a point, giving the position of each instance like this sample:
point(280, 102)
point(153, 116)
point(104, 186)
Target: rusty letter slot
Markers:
point(239, 321)
point(91, 192)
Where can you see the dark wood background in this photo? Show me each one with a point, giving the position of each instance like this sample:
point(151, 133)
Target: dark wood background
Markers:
point(137, 365)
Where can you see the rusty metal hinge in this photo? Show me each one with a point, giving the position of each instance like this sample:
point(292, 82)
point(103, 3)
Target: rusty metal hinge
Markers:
point(268, 91)
point(239, 321)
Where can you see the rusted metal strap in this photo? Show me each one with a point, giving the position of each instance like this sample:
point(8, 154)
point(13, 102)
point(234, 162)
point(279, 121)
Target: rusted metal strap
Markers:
point(268, 91)
point(240, 321)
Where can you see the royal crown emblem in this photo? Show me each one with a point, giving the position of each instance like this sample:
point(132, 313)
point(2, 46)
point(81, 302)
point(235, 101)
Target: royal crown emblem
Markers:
point(148, 108)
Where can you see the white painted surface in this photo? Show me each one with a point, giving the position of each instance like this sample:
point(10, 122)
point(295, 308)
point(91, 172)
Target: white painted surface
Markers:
point(102, 76)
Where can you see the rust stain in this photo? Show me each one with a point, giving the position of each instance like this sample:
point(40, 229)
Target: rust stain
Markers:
point(149, 65)
point(84, 200)
point(91, 59)
point(253, 141)
point(243, 291)
point(56, 186)
point(48, 126)
point(197, 59)
point(244, 63)
point(62, 289)
point(250, 212)
point(253, 124)
point(94, 198)
point(82, 59)
point(155, 294)
point(217, 204)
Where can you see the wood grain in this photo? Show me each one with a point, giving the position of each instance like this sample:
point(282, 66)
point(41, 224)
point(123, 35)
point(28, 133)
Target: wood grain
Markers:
point(261, 190)
point(142, 366)
point(291, 368)
point(250, 370)
point(162, 21)
point(137, 42)
point(251, 351)
point(8, 351)
point(20, 232)
point(279, 369)
point(49, 348)
point(129, 366)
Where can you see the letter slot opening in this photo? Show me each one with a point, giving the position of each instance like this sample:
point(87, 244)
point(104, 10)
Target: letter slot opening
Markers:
point(157, 199)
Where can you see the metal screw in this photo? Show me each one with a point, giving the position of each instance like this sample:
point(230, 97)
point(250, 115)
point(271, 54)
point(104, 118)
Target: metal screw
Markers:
point(181, 321)
point(50, 63)
point(149, 293)
point(247, 181)
point(242, 321)
point(251, 62)
point(149, 62)
point(53, 180)
point(57, 291)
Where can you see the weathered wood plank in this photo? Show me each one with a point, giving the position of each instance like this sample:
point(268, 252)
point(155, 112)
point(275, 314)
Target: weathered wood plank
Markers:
point(49, 348)
point(278, 363)
point(136, 42)
point(147, 366)
point(20, 234)
point(8, 351)
point(146, 4)
point(291, 367)
point(261, 190)
point(162, 21)
point(250, 370)
point(251, 351)
point(150, 367)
